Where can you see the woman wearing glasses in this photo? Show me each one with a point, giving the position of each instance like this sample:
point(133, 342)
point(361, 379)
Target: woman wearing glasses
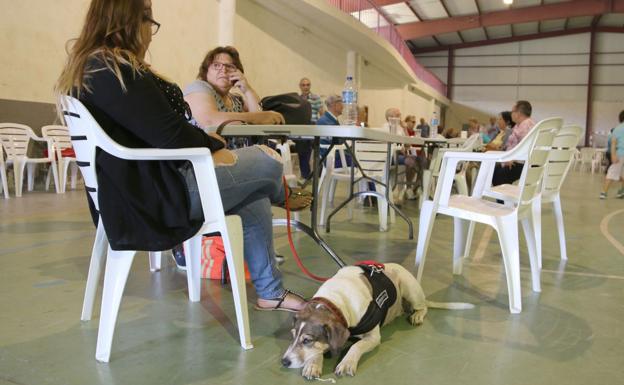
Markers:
point(149, 205)
point(210, 96)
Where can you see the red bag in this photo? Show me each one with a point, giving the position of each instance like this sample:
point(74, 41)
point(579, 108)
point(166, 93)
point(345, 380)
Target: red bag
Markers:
point(65, 153)
point(213, 255)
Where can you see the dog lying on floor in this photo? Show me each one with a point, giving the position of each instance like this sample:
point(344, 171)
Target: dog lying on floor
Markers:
point(355, 303)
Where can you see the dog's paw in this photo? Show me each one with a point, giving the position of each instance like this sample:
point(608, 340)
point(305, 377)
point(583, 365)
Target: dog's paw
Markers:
point(417, 317)
point(312, 371)
point(346, 367)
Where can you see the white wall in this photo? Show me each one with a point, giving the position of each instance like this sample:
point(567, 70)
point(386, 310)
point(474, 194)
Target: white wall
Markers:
point(275, 52)
point(551, 73)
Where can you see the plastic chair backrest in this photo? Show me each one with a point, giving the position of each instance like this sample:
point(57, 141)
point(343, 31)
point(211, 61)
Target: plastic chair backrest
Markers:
point(372, 156)
point(561, 157)
point(58, 134)
point(284, 149)
point(15, 138)
point(537, 144)
point(82, 127)
point(436, 159)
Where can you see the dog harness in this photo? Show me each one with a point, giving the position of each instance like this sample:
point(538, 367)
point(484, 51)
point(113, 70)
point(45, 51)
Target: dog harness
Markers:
point(384, 296)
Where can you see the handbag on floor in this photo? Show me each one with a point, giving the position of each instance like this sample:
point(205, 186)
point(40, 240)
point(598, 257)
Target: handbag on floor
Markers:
point(213, 258)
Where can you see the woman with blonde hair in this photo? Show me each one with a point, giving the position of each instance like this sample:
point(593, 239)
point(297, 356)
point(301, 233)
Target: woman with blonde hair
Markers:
point(154, 205)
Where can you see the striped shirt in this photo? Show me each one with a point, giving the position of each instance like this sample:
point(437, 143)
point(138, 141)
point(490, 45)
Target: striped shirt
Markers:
point(316, 103)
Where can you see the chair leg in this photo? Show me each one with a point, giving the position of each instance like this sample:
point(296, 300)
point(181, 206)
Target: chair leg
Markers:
point(382, 208)
point(425, 187)
point(48, 178)
point(193, 251)
point(74, 174)
point(18, 175)
point(462, 185)
point(536, 218)
point(95, 267)
point(459, 243)
point(507, 228)
point(325, 197)
point(233, 244)
point(117, 268)
point(31, 175)
point(469, 237)
point(55, 173)
point(529, 234)
point(427, 216)
point(4, 184)
point(560, 227)
point(155, 258)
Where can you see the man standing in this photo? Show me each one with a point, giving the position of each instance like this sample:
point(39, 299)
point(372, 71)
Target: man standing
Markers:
point(304, 147)
point(424, 128)
point(511, 171)
point(616, 151)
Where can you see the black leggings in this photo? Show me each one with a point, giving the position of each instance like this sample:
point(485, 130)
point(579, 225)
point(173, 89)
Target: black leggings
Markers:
point(506, 175)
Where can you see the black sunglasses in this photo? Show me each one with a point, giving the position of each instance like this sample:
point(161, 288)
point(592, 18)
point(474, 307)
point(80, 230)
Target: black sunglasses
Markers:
point(155, 24)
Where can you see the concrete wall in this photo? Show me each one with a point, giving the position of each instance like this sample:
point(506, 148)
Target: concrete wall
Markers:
point(275, 53)
point(551, 73)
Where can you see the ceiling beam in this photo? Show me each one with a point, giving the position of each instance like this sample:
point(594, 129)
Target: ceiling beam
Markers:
point(487, 36)
point(354, 6)
point(420, 18)
point(551, 11)
point(448, 14)
point(543, 35)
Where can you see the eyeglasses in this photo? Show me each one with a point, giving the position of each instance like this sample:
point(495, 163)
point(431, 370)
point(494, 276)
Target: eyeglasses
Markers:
point(154, 24)
point(218, 66)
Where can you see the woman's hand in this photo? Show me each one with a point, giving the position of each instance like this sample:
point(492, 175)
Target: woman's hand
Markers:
point(238, 79)
point(266, 117)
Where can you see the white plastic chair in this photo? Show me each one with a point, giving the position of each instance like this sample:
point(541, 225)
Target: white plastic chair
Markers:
point(431, 174)
point(372, 158)
point(61, 140)
point(15, 139)
point(533, 151)
point(587, 158)
point(87, 135)
point(289, 174)
point(4, 186)
point(330, 176)
point(598, 161)
point(560, 161)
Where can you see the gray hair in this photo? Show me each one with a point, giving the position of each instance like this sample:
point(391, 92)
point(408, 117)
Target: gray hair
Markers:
point(331, 99)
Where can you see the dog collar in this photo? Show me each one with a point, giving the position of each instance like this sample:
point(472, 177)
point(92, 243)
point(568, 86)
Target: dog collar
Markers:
point(332, 308)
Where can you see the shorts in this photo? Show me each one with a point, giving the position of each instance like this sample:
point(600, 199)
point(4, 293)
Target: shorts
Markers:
point(616, 170)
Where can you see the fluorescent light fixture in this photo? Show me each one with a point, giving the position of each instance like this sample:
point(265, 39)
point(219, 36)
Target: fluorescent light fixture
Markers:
point(508, 2)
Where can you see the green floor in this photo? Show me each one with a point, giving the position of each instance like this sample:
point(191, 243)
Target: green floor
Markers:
point(570, 333)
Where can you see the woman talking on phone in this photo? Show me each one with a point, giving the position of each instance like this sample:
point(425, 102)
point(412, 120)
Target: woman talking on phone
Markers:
point(211, 98)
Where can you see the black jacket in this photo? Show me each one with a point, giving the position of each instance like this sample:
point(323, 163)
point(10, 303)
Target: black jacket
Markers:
point(144, 205)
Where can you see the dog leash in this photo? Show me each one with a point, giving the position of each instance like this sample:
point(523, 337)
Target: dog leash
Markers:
point(291, 243)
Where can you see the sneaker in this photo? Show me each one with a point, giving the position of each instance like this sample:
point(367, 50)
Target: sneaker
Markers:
point(279, 259)
point(603, 195)
point(178, 256)
point(410, 195)
point(620, 193)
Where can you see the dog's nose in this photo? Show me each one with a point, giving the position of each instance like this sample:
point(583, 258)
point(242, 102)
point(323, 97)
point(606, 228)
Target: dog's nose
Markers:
point(285, 362)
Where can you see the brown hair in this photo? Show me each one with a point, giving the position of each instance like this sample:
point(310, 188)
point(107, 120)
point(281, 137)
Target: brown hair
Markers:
point(111, 33)
point(212, 54)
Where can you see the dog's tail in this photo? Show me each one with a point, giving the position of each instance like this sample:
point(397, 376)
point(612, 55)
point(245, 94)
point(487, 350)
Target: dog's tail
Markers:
point(450, 305)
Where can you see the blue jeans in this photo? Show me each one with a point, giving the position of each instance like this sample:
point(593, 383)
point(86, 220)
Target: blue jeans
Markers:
point(248, 188)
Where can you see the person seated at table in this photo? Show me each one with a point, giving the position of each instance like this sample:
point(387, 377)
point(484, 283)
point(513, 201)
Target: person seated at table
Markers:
point(506, 124)
point(423, 128)
point(333, 110)
point(410, 124)
point(450, 133)
point(414, 164)
point(221, 92)
point(155, 205)
point(510, 172)
point(477, 128)
point(493, 128)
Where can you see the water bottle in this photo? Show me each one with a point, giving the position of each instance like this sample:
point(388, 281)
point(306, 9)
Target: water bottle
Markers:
point(434, 124)
point(349, 101)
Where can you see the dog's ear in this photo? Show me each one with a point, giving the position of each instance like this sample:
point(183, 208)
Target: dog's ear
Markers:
point(337, 335)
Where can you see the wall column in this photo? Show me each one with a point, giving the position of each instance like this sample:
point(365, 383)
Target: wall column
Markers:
point(590, 88)
point(450, 69)
point(227, 13)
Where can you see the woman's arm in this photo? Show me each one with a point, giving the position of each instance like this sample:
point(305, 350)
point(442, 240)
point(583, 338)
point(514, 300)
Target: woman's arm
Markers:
point(250, 97)
point(205, 111)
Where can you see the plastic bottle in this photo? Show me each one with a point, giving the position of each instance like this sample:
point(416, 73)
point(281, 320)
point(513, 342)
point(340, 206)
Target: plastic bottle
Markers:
point(433, 130)
point(349, 101)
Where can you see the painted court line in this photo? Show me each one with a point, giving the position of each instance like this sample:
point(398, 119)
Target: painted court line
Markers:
point(577, 273)
point(604, 228)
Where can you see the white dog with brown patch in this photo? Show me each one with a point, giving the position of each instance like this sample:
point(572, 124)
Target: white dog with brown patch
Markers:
point(356, 302)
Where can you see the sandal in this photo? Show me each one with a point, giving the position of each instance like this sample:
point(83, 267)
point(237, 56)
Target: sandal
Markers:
point(278, 306)
point(298, 199)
